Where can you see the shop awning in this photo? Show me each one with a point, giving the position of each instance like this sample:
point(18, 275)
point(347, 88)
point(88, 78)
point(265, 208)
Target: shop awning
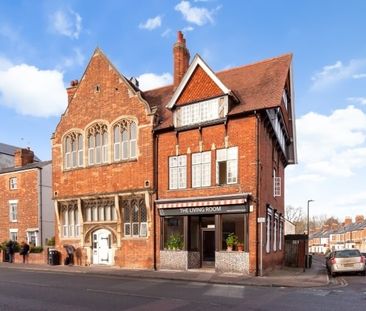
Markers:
point(222, 200)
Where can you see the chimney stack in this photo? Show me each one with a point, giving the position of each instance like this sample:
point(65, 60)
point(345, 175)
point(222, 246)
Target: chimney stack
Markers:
point(359, 219)
point(181, 58)
point(347, 221)
point(72, 89)
point(23, 157)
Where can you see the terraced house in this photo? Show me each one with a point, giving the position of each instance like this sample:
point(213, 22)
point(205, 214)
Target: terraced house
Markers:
point(162, 178)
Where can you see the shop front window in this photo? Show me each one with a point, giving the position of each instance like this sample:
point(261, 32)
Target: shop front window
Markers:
point(173, 233)
point(232, 224)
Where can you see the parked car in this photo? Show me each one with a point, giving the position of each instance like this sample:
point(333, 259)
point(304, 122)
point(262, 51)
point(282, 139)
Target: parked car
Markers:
point(346, 260)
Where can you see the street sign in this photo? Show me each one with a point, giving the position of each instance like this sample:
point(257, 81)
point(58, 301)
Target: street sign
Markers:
point(261, 220)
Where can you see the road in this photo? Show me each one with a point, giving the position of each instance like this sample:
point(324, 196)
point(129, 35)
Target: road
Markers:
point(45, 290)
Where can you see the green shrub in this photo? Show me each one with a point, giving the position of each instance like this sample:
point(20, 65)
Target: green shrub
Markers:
point(231, 240)
point(51, 241)
point(175, 242)
point(36, 249)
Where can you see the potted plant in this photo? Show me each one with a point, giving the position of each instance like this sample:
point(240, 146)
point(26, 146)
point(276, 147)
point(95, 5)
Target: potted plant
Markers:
point(231, 241)
point(175, 242)
point(240, 246)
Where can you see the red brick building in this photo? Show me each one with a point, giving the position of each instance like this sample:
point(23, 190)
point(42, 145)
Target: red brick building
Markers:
point(137, 174)
point(26, 208)
point(102, 152)
point(223, 142)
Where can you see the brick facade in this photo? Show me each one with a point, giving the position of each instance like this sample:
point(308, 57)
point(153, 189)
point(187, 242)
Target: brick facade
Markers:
point(104, 96)
point(25, 202)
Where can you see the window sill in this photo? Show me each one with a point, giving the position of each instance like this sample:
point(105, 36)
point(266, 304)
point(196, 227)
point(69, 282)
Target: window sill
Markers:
point(99, 165)
point(134, 238)
point(205, 188)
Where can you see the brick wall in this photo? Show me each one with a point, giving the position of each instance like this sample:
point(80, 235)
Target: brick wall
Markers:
point(113, 100)
point(27, 196)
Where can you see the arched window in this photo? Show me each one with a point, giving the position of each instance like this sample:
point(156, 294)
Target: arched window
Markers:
point(73, 146)
point(125, 140)
point(70, 219)
point(135, 218)
point(97, 144)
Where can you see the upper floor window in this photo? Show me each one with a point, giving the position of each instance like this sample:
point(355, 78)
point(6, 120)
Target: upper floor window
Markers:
point(13, 210)
point(276, 121)
point(201, 169)
point(73, 150)
point(99, 210)
point(13, 183)
point(134, 218)
point(178, 172)
point(125, 140)
point(276, 185)
point(285, 98)
point(201, 112)
point(227, 166)
point(13, 234)
point(70, 219)
point(98, 144)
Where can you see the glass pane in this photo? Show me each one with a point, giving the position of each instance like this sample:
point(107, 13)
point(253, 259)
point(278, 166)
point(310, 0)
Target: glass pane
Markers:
point(173, 233)
point(80, 142)
point(91, 141)
point(135, 228)
point(124, 149)
point(173, 161)
point(133, 130)
point(232, 153)
point(234, 224)
point(116, 151)
point(135, 211)
point(143, 212)
point(98, 140)
point(133, 148)
point(127, 229)
point(116, 134)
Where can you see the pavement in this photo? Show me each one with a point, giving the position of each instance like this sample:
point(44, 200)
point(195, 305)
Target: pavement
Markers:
point(316, 276)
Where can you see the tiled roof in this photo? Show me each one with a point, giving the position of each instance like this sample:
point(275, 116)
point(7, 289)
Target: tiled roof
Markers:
point(257, 86)
point(10, 150)
point(25, 167)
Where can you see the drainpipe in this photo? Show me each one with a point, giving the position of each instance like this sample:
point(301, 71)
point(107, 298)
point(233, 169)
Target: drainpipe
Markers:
point(258, 234)
point(155, 190)
point(40, 209)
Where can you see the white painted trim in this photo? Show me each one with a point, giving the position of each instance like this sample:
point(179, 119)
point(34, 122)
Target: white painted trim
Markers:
point(13, 230)
point(197, 61)
point(13, 201)
point(292, 103)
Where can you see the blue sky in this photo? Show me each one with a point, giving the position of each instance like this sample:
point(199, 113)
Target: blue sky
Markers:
point(46, 44)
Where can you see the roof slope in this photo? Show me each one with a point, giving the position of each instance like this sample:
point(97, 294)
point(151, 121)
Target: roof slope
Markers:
point(258, 86)
point(25, 167)
point(10, 150)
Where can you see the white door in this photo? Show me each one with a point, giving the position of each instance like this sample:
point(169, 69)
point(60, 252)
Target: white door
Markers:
point(102, 252)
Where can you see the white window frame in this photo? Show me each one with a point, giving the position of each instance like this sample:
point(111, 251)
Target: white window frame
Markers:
point(13, 183)
point(230, 156)
point(276, 185)
point(280, 237)
point(275, 228)
point(13, 210)
point(80, 150)
point(13, 232)
point(201, 169)
point(268, 230)
point(116, 143)
point(178, 172)
point(70, 223)
point(105, 144)
point(29, 235)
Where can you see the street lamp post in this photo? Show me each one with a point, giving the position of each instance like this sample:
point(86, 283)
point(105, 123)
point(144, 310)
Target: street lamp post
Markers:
point(308, 232)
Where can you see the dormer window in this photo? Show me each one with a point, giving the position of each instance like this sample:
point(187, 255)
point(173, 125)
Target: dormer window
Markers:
point(200, 112)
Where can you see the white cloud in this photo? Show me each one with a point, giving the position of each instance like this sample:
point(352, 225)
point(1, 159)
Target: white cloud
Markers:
point(357, 100)
point(67, 23)
point(188, 28)
point(196, 15)
point(151, 23)
point(150, 81)
point(359, 76)
point(332, 74)
point(166, 33)
point(77, 59)
point(332, 163)
point(32, 91)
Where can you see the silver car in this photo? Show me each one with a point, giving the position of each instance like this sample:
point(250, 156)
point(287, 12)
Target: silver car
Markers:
point(346, 260)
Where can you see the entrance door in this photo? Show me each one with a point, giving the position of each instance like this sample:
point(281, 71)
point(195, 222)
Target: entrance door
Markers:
point(208, 247)
point(102, 253)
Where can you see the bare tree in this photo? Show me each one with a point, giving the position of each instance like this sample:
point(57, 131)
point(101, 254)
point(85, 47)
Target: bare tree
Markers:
point(293, 214)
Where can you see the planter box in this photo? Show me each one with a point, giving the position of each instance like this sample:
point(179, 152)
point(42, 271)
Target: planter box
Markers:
point(232, 262)
point(179, 260)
